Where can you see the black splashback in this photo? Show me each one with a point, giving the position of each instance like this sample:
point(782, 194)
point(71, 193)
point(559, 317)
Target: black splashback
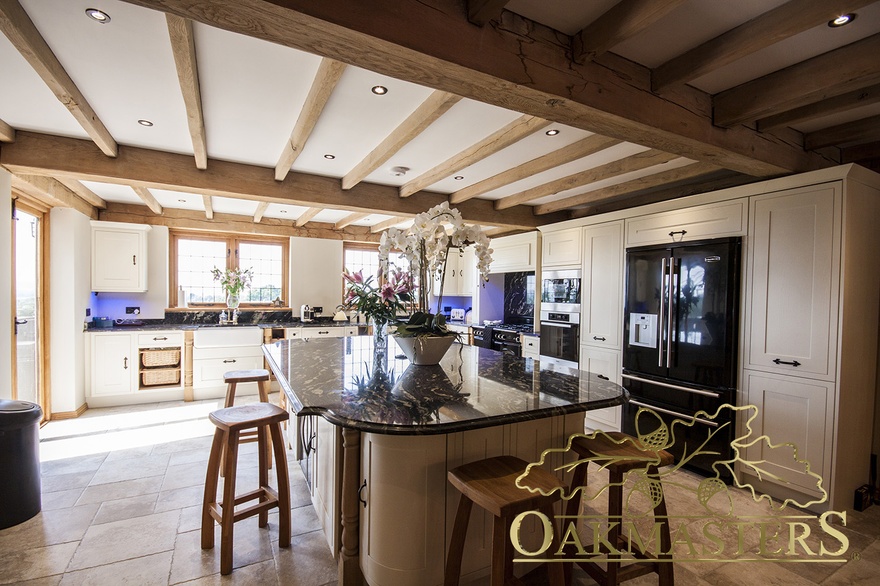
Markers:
point(519, 297)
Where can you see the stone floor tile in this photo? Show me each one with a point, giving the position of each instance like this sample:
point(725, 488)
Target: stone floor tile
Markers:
point(186, 474)
point(860, 572)
point(127, 508)
point(184, 445)
point(751, 573)
point(180, 498)
point(34, 562)
point(196, 456)
point(58, 482)
point(126, 539)
point(308, 561)
point(143, 571)
point(119, 490)
point(251, 545)
point(48, 528)
point(129, 453)
point(190, 519)
point(120, 470)
point(60, 499)
point(89, 463)
point(47, 581)
point(262, 573)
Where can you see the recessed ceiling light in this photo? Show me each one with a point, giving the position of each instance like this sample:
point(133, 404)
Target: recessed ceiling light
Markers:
point(842, 20)
point(329, 156)
point(144, 122)
point(379, 90)
point(283, 211)
point(552, 132)
point(98, 15)
point(181, 200)
point(399, 171)
point(458, 177)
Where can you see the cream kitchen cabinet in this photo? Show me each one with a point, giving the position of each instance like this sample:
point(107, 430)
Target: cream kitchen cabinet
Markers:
point(561, 248)
point(717, 220)
point(326, 461)
point(531, 346)
point(113, 364)
point(517, 253)
point(119, 257)
point(321, 332)
point(219, 350)
point(460, 273)
point(602, 285)
point(602, 362)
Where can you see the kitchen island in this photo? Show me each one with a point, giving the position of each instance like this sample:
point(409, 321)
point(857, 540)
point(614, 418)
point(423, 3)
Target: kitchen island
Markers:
point(389, 431)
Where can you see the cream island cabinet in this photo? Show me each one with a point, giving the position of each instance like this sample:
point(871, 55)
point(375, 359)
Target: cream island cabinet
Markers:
point(217, 350)
point(399, 437)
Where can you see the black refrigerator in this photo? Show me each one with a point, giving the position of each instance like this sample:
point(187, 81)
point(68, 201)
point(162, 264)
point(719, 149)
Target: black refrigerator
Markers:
point(681, 320)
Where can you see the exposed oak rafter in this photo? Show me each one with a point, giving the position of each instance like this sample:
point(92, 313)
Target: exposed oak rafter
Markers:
point(329, 72)
point(20, 30)
point(350, 219)
point(208, 203)
point(635, 162)
point(762, 31)
point(622, 21)
point(148, 198)
point(622, 189)
point(835, 105)
point(261, 209)
point(7, 133)
point(500, 139)
point(864, 130)
point(437, 104)
point(389, 223)
point(84, 192)
point(52, 192)
point(183, 47)
point(306, 217)
point(482, 11)
point(848, 68)
point(578, 150)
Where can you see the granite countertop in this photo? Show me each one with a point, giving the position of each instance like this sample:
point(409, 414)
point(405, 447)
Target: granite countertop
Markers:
point(194, 326)
point(338, 379)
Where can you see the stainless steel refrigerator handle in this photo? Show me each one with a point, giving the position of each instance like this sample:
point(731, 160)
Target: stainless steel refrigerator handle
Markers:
point(662, 304)
point(673, 286)
point(674, 414)
point(669, 386)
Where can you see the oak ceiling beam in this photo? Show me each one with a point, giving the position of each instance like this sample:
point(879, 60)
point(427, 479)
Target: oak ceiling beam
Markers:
point(183, 47)
point(43, 154)
point(482, 11)
point(52, 192)
point(350, 219)
point(621, 189)
point(7, 133)
point(437, 104)
point(762, 31)
point(864, 130)
point(148, 198)
point(306, 217)
point(622, 21)
point(578, 150)
point(261, 209)
point(329, 72)
point(517, 64)
point(635, 162)
point(84, 192)
point(837, 104)
point(208, 203)
point(843, 70)
point(232, 223)
point(389, 223)
point(20, 30)
point(860, 152)
point(498, 140)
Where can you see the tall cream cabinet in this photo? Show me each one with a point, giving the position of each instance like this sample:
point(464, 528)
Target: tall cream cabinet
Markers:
point(810, 351)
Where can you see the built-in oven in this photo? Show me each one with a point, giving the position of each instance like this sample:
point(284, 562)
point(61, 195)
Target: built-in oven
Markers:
point(560, 333)
point(507, 341)
point(561, 291)
point(482, 337)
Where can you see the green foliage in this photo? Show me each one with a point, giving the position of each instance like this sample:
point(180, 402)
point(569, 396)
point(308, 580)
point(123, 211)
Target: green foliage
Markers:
point(422, 323)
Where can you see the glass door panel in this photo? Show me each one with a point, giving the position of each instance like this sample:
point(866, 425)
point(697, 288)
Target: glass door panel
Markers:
point(27, 286)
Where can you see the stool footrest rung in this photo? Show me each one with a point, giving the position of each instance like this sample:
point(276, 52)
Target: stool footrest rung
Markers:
point(255, 509)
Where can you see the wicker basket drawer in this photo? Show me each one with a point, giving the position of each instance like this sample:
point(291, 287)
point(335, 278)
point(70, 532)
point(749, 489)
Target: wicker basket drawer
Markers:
point(164, 376)
point(160, 357)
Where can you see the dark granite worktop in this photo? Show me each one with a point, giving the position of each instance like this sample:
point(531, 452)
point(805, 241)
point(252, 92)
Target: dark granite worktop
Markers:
point(209, 319)
point(340, 380)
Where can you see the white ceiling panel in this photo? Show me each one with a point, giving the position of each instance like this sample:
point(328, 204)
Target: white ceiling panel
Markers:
point(123, 86)
point(284, 211)
point(252, 93)
point(114, 193)
point(355, 121)
point(179, 200)
point(229, 205)
point(331, 216)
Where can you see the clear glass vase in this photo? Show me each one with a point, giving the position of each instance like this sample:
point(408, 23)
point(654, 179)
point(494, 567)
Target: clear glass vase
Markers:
point(232, 301)
point(380, 336)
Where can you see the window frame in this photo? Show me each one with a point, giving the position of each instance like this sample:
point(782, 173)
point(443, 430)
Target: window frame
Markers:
point(232, 243)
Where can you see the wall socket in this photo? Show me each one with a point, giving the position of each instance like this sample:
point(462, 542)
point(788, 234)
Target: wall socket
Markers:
point(134, 310)
point(88, 311)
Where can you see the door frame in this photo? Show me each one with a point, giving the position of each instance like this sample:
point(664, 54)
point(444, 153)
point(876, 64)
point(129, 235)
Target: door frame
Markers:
point(41, 211)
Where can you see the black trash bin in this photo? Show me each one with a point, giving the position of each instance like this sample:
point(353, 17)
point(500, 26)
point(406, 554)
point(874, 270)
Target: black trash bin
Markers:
point(19, 462)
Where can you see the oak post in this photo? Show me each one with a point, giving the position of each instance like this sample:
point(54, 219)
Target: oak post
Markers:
point(349, 554)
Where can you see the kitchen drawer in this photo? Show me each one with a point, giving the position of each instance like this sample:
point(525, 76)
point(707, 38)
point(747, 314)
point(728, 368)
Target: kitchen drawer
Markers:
point(696, 223)
point(211, 353)
point(208, 372)
point(531, 346)
point(324, 332)
point(292, 333)
point(226, 337)
point(160, 339)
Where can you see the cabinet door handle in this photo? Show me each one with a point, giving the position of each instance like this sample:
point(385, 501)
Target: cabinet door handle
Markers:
point(323, 332)
point(600, 338)
point(134, 259)
point(603, 377)
point(125, 363)
point(674, 232)
point(162, 338)
point(228, 361)
point(794, 363)
point(363, 486)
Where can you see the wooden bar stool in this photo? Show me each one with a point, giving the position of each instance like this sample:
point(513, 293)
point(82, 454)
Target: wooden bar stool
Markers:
point(491, 483)
point(259, 376)
point(627, 454)
point(231, 421)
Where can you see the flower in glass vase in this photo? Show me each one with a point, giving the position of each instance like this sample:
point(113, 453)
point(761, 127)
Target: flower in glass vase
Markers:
point(233, 281)
point(380, 303)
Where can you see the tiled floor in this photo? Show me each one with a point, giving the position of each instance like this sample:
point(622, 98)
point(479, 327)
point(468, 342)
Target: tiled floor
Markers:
point(122, 491)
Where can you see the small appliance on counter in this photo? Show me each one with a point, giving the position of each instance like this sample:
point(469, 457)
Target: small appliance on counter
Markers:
point(306, 314)
point(102, 322)
point(456, 314)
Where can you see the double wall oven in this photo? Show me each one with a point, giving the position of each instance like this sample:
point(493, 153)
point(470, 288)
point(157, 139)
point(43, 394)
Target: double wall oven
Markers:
point(560, 316)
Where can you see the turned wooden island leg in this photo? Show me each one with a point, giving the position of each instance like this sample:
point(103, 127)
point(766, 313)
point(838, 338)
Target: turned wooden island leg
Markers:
point(349, 554)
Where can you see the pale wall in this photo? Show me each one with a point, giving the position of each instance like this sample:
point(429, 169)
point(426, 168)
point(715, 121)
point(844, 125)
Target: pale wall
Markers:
point(5, 289)
point(315, 273)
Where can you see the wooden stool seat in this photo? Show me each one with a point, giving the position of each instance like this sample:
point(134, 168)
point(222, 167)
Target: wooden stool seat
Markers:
point(246, 376)
point(625, 453)
point(231, 422)
point(491, 484)
point(256, 375)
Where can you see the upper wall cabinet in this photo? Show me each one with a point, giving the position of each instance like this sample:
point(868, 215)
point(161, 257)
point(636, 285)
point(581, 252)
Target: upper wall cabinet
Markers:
point(717, 220)
point(562, 248)
point(514, 253)
point(119, 257)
